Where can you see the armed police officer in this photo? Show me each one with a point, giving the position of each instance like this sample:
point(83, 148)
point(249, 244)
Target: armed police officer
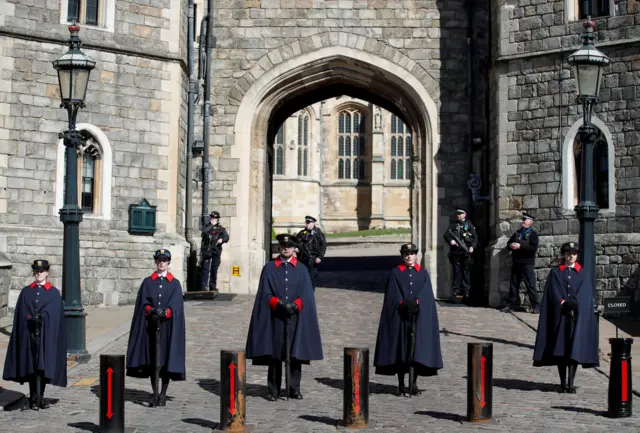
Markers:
point(523, 245)
point(213, 236)
point(461, 236)
point(312, 247)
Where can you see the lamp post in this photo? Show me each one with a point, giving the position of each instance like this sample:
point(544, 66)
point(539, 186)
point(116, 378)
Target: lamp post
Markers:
point(73, 69)
point(588, 62)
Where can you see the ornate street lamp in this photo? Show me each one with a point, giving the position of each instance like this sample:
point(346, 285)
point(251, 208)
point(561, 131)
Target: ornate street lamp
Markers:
point(588, 62)
point(74, 68)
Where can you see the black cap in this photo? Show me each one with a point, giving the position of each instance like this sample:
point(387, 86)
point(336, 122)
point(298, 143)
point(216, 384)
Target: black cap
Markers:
point(214, 214)
point(408, 248)
point(40, 265)
point(162, 254)
point(526, 216)
point(286, 240)
point(309, 219)
point(570, 247)
point(460, 210)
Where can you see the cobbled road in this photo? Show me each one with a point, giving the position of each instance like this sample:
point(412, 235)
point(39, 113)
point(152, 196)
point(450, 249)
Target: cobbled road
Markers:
point(525, 398)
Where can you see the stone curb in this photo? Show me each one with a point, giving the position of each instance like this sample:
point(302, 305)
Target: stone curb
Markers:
point(636, 386)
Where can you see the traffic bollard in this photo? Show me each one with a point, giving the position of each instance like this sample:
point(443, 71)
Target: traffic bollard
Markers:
point(233, 374)
point(479, 381)
point(620, 380)
point(356, 388)
point(112, 394)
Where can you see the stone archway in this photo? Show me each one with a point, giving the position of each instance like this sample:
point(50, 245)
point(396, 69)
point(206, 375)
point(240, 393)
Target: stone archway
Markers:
point(275, 81)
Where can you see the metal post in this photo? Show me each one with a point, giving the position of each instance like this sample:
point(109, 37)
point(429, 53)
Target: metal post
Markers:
point(620, 378)
point(210, 42)
point(232, 390)
point(192, 261)
point(71, 217)
point(356, 388)
point(112, 374)
point(479, 382)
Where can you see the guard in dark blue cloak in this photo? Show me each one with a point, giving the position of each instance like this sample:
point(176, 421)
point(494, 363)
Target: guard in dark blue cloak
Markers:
point(159, 298)
point(285, 292)
point(567, 327)
point(38, 337)
point(409, 297)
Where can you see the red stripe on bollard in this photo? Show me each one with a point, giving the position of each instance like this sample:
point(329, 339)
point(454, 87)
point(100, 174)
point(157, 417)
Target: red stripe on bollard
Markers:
point(232, 391)
point(479, 382)
point(625, 391)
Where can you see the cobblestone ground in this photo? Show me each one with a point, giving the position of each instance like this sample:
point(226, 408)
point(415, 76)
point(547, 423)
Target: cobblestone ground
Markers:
point(525, 398)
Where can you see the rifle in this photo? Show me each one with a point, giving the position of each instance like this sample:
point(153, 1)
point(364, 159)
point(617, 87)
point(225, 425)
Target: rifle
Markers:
point(412, 349)
point(34, 323)
point(460, 243)
point(287, 355)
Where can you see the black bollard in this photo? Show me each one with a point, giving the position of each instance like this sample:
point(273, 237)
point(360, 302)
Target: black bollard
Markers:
point(356, 388)
point(479, 382)
point(620, 383)
point(112, 394)
point(233, 374)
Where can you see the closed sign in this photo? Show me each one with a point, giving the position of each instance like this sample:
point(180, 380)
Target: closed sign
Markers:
point(619, 304)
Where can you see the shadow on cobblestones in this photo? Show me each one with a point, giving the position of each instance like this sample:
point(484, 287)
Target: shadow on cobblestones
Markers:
point(136, 396)
point(374, 387)
point(86, 426)
point(581, 410)
point(441, 415)
point(252, 389)
point(446, 332)
point(322, 419)
point(525, 385)
point(201, 422)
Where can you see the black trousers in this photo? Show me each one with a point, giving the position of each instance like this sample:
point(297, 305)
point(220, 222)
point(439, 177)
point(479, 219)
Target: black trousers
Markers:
point(461, 275)
point(519, 272)
point(313, 270)
point(210, 267)
point(274, 377)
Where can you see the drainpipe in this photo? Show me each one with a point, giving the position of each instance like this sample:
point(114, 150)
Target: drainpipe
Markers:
point(192, 92)
point(470, 90)
point(321, 143)
point(209, 42)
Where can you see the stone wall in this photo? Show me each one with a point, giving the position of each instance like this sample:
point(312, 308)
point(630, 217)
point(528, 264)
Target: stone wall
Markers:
point(136, 100)
point(5, 284)
point(535, 118)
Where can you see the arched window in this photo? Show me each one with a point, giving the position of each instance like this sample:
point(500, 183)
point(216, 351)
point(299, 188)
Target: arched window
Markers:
point(400, 149)
point(94, 173)
point(279, 145)
point(600, 170)
point(351, 144)
point(303, 144)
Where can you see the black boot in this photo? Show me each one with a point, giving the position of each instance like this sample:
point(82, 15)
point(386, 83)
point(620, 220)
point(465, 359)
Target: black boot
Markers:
point(414, 388)
point(42, 403)
point(562, 370)
point(152, 399)
point(162, 398)
point(401, 389)
point(33, 398)
point(573, 367)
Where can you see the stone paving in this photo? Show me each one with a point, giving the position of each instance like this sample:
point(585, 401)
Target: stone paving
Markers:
point(524, 398)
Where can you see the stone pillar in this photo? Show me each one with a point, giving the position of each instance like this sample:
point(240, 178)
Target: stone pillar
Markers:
point(5, 283)
point(377, 169)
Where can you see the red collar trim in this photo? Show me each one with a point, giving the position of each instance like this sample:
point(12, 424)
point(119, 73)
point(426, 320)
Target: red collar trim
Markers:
point(46, 285)
point(169, 276)
point(577, 267)
point(404, 267)
point(279, 261)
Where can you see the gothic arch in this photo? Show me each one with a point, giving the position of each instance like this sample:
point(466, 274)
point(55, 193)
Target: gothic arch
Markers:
point(289, 72)
point(568, 166)
point(106, 168)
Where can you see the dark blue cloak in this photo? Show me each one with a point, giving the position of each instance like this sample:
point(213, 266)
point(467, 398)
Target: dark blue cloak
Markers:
point(18, 365)
point(563, 282)
point(265, 340)
point(391, 355)
point(158, 292)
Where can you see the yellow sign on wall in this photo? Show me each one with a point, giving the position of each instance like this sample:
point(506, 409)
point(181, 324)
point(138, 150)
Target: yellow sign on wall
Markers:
point(235, 271)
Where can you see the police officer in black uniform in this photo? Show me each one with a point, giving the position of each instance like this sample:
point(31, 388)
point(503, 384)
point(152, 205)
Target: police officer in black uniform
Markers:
point(460, 257)
point(312, 247)
point(523, 245)
point(213, 236)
